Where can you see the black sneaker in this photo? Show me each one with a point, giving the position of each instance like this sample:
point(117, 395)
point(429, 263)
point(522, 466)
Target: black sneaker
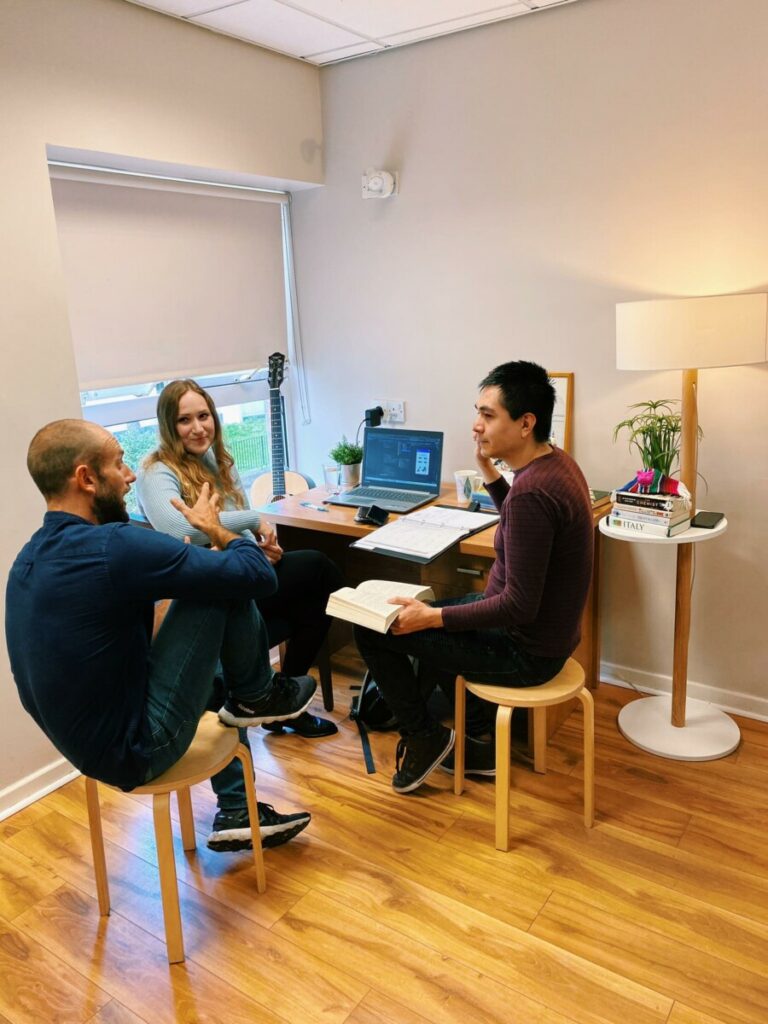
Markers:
point(287, 697)
point(311, 726)
point(232, 829)
point(479, 758)
point(418, 754)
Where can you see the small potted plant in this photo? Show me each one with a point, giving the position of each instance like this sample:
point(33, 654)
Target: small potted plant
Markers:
point(348, 457)
point(654, 431)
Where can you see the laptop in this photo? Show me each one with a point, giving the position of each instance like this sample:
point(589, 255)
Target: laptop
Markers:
point(401, 469)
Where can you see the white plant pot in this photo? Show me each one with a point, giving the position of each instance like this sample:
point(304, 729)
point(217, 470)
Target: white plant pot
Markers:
point(349, 476)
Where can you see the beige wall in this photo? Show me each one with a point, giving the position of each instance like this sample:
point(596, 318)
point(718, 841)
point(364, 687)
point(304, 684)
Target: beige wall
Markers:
point(551, 166)
point(110, 77)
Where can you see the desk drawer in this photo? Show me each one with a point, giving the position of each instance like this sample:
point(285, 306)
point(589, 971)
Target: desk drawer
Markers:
point(454, 574)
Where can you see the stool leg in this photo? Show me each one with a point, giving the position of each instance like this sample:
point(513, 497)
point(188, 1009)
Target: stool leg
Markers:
point(169, 890)
point(281, 649)
point(186, 818)
point(326, 679)
point(244, 755)
point(503, 755)
point(540, 740)
point(97, 844)
point(588, 706)
point(459, 725)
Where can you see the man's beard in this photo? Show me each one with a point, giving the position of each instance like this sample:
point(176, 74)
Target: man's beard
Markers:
point(108, 507)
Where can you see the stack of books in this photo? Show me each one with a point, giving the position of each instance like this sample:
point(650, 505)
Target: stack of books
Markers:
point(650, 515)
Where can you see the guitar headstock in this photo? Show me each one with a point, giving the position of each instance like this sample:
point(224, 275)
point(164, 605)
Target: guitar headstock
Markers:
point(275, 372)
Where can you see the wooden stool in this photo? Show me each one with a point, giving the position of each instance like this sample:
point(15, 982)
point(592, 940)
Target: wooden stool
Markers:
point(213, 747)
point(568, 683)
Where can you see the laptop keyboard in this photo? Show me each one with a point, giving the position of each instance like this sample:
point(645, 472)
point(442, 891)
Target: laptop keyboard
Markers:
point(386, 493)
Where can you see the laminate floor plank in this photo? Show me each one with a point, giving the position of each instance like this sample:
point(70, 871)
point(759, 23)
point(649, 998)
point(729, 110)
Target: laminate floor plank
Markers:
point(115, 1013)
point(37, 985)
point(550, 844)
point(376, 1008)
point(702, 981)
point(740, 848)
point(514, 957)
point(131, 965)
point(23, 881)
point(214, 934)
point(445, 990)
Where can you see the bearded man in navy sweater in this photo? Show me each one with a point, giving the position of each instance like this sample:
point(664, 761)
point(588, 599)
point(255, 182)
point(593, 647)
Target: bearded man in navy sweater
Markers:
point(527, 623)
point(119, 705)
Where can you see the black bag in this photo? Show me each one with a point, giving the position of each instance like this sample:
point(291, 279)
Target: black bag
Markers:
point(370, 708)
point(371, 713)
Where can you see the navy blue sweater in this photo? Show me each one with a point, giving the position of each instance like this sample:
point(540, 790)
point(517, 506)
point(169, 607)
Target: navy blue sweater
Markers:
point(79, 612)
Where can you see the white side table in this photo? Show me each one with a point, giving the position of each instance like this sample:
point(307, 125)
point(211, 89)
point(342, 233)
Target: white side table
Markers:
point(677, 726)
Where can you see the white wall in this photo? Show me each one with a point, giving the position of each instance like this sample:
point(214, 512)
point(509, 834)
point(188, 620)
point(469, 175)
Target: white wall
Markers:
point(551, 166)
point(113, 78)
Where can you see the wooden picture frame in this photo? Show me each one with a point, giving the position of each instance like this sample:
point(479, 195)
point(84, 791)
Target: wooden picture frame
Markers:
point(562, 416)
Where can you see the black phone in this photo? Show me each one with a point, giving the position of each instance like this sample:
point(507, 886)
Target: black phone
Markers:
point(707, 520)
point(372, 515)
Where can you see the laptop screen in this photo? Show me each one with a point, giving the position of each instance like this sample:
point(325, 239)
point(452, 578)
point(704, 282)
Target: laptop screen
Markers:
point(410, 459)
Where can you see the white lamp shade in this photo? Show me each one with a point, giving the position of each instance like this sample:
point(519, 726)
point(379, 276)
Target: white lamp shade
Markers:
point(681, 334)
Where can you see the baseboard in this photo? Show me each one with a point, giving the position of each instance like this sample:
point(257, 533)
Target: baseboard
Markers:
point(24, 792)
point(649, 682)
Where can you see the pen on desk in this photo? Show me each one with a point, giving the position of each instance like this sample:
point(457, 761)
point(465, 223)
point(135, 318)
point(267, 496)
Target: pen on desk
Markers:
point(310, 504)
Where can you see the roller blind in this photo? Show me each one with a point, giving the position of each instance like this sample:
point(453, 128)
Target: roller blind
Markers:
point(164, 284)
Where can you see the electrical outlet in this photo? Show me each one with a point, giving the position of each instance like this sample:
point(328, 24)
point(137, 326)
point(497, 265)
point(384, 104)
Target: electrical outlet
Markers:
point(394, 411)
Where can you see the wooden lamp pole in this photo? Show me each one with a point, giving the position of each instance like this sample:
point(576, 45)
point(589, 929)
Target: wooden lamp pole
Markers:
point(683, 584)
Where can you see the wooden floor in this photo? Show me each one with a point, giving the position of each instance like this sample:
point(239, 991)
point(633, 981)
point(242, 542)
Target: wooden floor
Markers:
point(398, 909)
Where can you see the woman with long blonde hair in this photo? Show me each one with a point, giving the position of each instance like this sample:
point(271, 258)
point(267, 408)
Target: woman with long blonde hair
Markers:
point(191, 453)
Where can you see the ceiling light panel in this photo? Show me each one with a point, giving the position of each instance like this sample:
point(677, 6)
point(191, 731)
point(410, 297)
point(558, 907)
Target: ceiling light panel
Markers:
point(282, 28)
point(377, 19)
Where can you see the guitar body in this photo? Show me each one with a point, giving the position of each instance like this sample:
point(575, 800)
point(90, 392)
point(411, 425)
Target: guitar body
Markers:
point(262, 490)
point(281, 482)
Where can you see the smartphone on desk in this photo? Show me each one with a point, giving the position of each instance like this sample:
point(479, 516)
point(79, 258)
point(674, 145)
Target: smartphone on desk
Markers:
point(707, 520)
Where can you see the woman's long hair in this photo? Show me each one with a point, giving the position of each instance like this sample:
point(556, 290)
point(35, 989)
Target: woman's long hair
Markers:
point(190, 470)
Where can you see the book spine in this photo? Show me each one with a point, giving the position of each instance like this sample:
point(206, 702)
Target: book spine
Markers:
point(648, 529)
point(666, 502)
point(648, 516)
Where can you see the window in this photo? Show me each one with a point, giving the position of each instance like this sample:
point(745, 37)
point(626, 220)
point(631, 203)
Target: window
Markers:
point(240, 398)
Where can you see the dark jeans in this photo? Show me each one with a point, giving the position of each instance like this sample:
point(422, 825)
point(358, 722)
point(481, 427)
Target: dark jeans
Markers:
point(194, 639)
point(296, 613)
point(482, 656)
point(297, 610)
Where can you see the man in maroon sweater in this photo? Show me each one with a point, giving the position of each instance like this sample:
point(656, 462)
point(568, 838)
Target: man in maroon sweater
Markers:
point(523, 628)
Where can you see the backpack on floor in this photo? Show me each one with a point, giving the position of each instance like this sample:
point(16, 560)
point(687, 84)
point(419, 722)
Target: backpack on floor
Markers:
point(371, 713)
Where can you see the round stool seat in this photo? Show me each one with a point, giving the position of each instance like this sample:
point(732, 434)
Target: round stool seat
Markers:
point(211, 750)
point(566, 684)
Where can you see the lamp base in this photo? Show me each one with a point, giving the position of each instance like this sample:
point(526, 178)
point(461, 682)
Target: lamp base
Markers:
point(708, 732)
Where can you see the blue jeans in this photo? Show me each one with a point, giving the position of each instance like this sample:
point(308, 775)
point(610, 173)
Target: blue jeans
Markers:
point(194, 640)
point(481, 655)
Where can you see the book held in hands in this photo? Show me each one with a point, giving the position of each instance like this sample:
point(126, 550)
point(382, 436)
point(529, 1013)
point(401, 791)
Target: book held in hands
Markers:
point(367, 604)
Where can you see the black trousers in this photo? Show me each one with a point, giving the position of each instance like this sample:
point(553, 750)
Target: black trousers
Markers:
point(481, 655)
point(296, 613)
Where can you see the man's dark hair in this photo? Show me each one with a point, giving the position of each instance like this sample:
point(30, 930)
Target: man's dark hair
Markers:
point(57, 448)
point(525, 387)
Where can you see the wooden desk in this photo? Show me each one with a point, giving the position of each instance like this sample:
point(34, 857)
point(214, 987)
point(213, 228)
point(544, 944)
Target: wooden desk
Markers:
point(460, 570)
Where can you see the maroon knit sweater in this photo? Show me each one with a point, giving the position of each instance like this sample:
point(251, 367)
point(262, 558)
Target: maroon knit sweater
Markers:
point(544, 548)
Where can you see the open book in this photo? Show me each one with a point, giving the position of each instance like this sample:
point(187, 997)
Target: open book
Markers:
point(366, 604)
point(426, 533)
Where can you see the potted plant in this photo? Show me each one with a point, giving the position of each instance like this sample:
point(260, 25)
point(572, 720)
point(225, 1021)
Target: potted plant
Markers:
point(654, 431)
point(348, 456)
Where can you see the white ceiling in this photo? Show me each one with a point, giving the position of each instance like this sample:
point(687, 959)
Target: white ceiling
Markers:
point(327, 31)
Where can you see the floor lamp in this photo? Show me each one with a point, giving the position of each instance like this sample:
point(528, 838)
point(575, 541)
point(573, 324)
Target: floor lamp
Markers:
point(688, 335)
